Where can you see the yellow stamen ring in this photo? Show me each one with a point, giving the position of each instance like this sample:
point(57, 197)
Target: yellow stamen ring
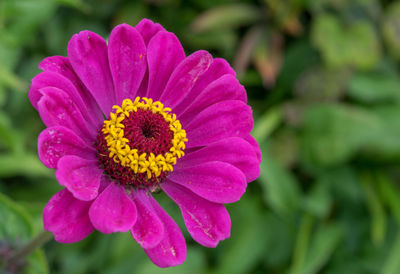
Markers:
point(122, 153)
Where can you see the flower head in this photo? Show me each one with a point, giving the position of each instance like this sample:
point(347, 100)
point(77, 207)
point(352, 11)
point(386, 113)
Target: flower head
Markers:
point(133, 117)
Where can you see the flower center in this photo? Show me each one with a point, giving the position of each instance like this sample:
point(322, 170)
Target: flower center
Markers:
point(140, 143)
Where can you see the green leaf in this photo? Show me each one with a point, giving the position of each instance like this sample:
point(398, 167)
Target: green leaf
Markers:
point(15, 224)
point(297, 58)
point(281, 190)
point(77, 4)
point(323, 243)
point(8, 136)
point(318, 202)
point(321, 84)
point(374, 88)
point(31, 14)
point(24, 164)
point(385, 146)
point(248, 240)
point(37, 263)
point(390, 194)
point(227, 17)
point(266, 124)
point(391, 25)
point(344, 185)
point(356, 45)
point(10, 80)
point(302, 242)
point(392, 263)
point(374, 203)
point(222, 40)
point(195, 263)
point(16, 227)
point(131, 13)
point(285, 146)
point(280, 237)
point(9, 54)
point(333, 133)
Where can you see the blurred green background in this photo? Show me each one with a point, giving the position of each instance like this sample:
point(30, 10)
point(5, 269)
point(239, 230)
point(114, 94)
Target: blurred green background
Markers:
point(322, 77)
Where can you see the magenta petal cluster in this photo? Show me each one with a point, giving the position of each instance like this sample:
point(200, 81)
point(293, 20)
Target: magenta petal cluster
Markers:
point(75, 95)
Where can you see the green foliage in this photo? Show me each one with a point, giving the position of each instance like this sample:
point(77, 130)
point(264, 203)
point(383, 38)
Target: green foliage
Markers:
point(355, 45)
point(281, 190)
point(17, 228)
point(323, 79)
point(374, 88)
point(390, 25)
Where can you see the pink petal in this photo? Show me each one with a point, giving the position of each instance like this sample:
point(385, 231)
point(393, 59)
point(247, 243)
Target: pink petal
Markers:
point(164, 53)
point(113, 210)
point(148, 230)
point(58, 141)
point(235, 151)
point(185, 76)
point(51, 79)
point(255, 146)
point(87, 52)
point(226, 87)
point(148, 29)
point(207, 222)
point(104, 182)
point(221, 120)
point(62, 66)
point(171, 251)
point(127, 55)
point(59, 64)
point(217, 69)
point(217, 182)
point(81, 177)
point(67, 218)
point(142, 90)
point(57, 109)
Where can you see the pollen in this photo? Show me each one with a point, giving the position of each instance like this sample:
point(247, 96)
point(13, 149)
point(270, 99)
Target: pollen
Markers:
point(143, 139)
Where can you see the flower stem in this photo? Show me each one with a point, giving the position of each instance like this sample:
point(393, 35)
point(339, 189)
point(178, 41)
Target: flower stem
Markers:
point(31, 246)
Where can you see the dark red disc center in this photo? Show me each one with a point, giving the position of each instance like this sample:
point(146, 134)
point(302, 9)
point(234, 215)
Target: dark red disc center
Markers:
point(147, 132)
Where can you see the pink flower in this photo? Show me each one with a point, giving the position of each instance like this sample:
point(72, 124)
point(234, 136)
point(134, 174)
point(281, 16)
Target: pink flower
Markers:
point(173, 123)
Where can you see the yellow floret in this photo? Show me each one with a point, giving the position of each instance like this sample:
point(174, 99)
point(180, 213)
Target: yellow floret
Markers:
point(118, 146)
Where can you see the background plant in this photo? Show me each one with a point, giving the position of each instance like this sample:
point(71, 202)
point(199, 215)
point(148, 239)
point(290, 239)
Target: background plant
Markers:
point(323, 79)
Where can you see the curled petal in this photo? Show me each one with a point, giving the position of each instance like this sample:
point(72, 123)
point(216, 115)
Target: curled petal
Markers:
point(164, 53)
point(148, 230)
point(207, 222)
point(127, 55)
point(67, 218)
point(250, 139)
point(58, 141)
point(217, 69)
point(61, 65)
point(171, 250)
point(225, 88)
point(49, 79)
point(87, 52)
point(217, 182)
point(235, 151)
point(113, 210)
point(81, 177)
point(221, 120)
point(148, 29)
point(185, 76)
point(57, 109)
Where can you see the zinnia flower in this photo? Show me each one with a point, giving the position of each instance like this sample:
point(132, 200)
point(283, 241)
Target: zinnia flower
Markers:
point(135, 117)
